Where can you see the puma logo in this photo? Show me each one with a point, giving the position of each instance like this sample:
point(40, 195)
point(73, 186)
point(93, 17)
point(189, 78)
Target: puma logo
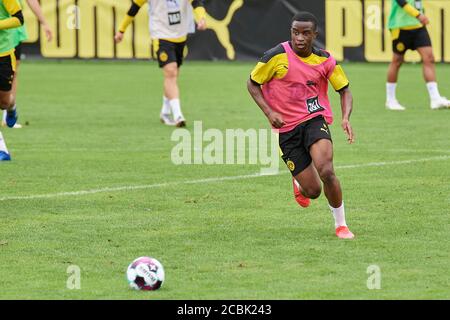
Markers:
point(221, 28)
point(325, 129)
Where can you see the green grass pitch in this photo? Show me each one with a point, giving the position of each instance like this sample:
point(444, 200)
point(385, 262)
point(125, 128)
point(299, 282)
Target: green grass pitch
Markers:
point(94, 125)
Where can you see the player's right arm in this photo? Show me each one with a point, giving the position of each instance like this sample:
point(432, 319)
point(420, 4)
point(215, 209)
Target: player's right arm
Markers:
point(273, 64)
point(132, 12)
point(199, 13)
point(37, 10)
point(275, 119)
point(15, 10)
point(413, 11)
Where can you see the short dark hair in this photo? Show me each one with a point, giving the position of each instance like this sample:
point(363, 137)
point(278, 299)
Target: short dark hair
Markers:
point(305, 17)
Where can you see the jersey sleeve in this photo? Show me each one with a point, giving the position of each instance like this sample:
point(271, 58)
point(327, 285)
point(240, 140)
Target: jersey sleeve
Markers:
point(140, 3)
point(338, 79)
point(408, 8)
point(199, 9)
point(274, 63)
point(132, 12)
point(15, 10)
point(12, 6)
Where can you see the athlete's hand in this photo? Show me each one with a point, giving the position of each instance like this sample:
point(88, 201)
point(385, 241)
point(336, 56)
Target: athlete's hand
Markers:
point(276, 120)
point(348, 130)
point(48, 32)
point(423, 19)
point(118, 37)
point(201, 25)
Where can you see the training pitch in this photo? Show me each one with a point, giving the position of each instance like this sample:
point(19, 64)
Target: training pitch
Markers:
point(91, 184)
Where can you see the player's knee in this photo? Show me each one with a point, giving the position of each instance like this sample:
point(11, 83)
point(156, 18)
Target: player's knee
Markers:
point(5, 101)
point(397, 62)
point(313, 192)
point(327, 174)
point(428, 59)
point(170, 72)
point(170, 77)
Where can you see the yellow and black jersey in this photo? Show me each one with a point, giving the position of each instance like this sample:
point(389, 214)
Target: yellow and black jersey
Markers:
point(274, 64)
point(169, 19)
point(10, 18)
point(403, 16)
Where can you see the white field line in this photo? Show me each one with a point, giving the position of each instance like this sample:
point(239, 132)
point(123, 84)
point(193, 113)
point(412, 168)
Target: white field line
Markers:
point(441, 151)
point(206, 180)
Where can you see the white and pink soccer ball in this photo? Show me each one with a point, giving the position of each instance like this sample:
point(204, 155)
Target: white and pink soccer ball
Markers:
point(145, 273)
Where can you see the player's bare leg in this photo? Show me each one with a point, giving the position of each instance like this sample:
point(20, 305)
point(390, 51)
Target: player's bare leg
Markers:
point(4, 153)
point(429, 70)
point(391, 85)
point(6, 100)
point(307, 186)
point(15, 82)
point(14, 95)
point(429, 74)
point(322, 155)
point(6, 103)
point(172, 92)
point(394, 67)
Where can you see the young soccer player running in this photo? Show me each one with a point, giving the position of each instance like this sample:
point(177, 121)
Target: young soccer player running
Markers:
point(407, 23)
point(290, 85)
point(20, 35)
point(10, 17)
point(170, 22)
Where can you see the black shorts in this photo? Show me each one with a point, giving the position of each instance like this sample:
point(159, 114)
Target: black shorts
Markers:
point(295, 144)
point(7, 67)
point(167, 52)
point(410, 40)
point(18, 51)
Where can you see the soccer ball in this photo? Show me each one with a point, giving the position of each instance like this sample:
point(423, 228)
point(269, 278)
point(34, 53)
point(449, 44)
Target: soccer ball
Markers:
point(145, 273)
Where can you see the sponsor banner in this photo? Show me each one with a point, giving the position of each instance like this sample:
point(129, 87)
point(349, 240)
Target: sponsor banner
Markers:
point(352, 30)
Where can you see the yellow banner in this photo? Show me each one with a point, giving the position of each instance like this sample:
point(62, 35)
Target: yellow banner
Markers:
point(363, 23)
point(85, 29)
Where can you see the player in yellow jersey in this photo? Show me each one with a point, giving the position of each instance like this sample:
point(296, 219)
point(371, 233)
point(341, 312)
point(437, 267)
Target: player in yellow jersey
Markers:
point(407, 23)
point(10, 17)
point(170, 22)
point(20, 35)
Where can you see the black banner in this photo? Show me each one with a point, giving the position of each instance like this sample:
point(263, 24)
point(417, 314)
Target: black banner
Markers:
point(254, 27)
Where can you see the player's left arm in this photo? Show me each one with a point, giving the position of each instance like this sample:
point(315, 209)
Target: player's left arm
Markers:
point(199, 14)
point(347, 107)
point(15, 10)
point(37, 10)
point(128, 19)
point(340, 83)
point(409, 9)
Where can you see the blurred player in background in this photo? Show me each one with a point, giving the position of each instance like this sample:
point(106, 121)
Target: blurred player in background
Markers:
point(20, 35)
point(170, 22)
point(290, 85)
point(10, 17)
point(407, 23)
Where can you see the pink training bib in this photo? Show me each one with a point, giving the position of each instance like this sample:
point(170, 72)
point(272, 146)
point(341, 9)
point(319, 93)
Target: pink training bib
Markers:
point(303, 93)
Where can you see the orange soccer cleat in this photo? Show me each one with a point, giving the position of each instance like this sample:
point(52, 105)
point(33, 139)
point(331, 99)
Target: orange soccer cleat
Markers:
point(344, 233)
point(301, 199)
